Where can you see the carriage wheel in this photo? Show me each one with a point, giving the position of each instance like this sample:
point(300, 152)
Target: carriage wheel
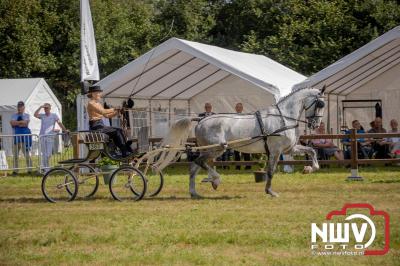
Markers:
point(127, 183)
point(155, 181)
point(59, 184)
point(87, 178)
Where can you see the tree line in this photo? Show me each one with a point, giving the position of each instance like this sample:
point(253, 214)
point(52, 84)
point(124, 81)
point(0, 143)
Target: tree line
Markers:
point(40, 38)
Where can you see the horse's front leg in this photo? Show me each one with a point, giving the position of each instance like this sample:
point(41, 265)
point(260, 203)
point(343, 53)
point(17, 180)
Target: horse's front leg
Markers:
point(270, 170)
point(310, 152)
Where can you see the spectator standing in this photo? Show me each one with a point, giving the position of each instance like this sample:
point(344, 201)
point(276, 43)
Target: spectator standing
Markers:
point(47, 133)
point(20, 122)
point(380, 146)
point(326, 147)
point(237, 154)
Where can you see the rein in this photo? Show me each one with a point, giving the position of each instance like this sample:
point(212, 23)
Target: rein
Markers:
point(265, 135)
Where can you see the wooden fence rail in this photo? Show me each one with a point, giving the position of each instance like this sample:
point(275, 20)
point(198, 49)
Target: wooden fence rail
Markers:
point(353, 161)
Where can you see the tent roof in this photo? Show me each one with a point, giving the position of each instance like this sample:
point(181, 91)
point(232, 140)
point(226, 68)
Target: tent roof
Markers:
point(14, 90)
point(351, 72)
point(180, 69)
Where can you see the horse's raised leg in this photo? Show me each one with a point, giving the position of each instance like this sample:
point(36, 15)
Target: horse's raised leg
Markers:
point(310, 152)
point(272, 163)
point(216, 178)
point(198, 163)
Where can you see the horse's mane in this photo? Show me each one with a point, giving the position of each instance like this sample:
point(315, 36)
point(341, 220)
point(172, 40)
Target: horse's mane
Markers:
point(291, 93)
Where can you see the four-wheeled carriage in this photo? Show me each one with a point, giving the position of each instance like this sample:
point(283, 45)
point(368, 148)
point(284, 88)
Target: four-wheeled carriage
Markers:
point(79, 177)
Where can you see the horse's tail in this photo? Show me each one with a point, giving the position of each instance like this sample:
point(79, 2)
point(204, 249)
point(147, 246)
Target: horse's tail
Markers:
point(176, 137)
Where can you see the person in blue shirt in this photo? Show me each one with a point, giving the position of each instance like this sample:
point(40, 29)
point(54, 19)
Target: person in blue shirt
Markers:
point(363, 145)
point(22, 140)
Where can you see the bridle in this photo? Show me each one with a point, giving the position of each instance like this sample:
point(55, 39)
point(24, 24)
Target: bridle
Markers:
point(317, 103)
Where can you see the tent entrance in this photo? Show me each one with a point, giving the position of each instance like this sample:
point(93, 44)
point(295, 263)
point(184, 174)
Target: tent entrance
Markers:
point(366, 105)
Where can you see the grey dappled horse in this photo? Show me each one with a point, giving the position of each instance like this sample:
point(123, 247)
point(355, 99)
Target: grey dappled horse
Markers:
point(280, 120)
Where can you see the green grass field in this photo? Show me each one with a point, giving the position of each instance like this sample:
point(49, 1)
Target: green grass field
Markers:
point(237, 224)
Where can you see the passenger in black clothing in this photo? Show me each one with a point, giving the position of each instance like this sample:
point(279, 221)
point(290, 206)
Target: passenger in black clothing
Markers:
point(208, 110)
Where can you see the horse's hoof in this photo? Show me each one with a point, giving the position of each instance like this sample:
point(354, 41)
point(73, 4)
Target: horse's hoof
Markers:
point(272, 193)
point(207, 179)
point(307, 169)
point(215, 183)
point(195, 196)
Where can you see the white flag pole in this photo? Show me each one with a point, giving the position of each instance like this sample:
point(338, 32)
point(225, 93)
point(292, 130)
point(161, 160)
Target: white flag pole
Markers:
point(89, 62)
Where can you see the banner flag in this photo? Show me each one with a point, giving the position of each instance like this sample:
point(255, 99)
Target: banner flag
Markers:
point(89, 62)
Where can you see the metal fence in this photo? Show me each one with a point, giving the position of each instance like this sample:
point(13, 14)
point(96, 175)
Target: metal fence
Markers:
point(32, 153)
point(19, 152)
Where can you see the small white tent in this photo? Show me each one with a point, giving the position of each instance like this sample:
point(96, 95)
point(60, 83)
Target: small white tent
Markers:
point(177, 77)
point(33, 92)
point(355, 83)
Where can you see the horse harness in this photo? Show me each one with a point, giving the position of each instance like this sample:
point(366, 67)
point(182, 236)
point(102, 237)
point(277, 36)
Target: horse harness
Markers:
point(265, 134)
point(317, 103)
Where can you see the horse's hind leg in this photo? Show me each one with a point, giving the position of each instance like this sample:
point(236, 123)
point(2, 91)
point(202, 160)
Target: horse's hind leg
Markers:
point(216, 178)
point(194, 170)
point(198, 163)
point(201, 161)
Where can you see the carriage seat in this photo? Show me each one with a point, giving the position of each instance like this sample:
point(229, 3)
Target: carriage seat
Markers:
point(92, 136)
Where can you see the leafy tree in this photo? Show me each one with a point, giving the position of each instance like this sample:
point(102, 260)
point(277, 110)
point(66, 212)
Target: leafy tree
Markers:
point(305, 35)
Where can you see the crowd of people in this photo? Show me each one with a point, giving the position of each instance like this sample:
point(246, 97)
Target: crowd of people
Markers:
point(378, 148)
point(23, 140)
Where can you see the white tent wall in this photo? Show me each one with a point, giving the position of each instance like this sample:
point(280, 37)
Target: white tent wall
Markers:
point(224, 96)
point(34, 92)
point(5, 119)
point(384, 87)
point(333, 113)
point(6, 143)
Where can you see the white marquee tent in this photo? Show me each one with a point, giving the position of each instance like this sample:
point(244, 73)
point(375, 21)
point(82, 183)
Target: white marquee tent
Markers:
point(362, 78)
point(177, 77)
point(33, 92)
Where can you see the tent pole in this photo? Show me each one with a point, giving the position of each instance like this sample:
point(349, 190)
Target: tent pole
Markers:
point(329, 115)
point(337, 114)
point(189, 113)
point(151, 125)
point(169, 113)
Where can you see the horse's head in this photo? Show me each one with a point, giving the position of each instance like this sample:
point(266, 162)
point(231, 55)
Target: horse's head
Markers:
point(314, 106)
